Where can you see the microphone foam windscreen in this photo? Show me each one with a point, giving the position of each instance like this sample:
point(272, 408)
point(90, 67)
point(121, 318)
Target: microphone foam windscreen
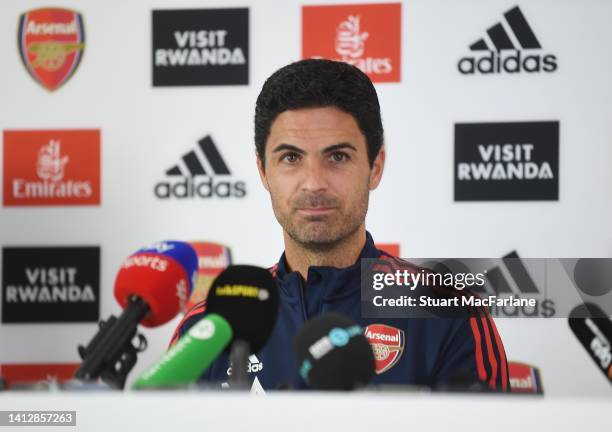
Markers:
point(182, 252)
point(160, 281)
point(333, 354)
point(247, 297)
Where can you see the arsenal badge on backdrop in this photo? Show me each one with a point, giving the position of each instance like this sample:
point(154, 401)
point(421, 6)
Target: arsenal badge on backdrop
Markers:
point(51, 42)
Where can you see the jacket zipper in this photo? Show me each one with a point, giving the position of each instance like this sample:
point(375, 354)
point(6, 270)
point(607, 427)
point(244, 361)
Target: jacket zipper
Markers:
point(302, 299)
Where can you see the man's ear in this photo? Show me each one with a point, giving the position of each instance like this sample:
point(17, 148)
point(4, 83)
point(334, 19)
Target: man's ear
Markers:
point(262, 174)
point(377, 169)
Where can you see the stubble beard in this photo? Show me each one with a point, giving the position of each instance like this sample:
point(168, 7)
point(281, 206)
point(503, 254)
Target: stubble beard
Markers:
point(322, 233)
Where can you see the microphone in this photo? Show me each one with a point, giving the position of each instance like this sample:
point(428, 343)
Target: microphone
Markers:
point(190, 356)
point(333, 353)
point(239, 361)
point(164, 273)
point(593, 328)
point(242, 308)
point(247, 297)
point(151, 287)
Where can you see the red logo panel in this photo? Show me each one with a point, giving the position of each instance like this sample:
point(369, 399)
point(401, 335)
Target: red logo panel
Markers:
point(51, 167)
point(387, 343)
point(213, 258)
point(51, 43)
point(524, 378)
point(365, 35)
point(392, 249)
point(22, 373)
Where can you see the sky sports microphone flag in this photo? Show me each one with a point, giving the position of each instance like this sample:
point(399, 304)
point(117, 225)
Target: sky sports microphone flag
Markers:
point(160, 265)
point(333, 353)
point(242, 306)
point(151, 286)
point(184, 254)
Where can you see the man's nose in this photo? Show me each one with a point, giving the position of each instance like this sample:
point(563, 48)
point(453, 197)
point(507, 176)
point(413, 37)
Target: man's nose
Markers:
point(314, 177)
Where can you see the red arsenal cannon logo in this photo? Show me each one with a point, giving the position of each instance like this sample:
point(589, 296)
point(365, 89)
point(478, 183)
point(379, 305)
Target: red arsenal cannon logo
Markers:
point(51, 43)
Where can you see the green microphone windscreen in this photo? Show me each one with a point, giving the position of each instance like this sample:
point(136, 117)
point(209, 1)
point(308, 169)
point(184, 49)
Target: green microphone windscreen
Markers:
point(191, 356)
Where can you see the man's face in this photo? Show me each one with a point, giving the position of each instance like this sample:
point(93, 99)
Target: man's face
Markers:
point(318, 175)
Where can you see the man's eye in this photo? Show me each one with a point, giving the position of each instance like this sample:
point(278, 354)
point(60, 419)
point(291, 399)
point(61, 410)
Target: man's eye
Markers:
point(339, 157)
point(291, 158)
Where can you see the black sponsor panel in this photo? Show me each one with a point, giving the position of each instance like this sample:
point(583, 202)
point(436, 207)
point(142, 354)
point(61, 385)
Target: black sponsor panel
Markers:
point(50, 284)
point(200, 47)
point(507, 161)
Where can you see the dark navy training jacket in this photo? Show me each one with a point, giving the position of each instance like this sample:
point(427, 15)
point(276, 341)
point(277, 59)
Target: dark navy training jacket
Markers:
point(432, 352)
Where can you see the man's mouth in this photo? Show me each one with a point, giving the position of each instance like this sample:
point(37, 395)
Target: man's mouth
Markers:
point(316, 211)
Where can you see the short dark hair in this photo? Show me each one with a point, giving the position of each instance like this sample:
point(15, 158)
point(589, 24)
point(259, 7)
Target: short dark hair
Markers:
point(319, 83)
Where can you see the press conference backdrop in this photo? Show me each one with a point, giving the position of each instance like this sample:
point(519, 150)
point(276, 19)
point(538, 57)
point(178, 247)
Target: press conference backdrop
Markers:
point(124, 131)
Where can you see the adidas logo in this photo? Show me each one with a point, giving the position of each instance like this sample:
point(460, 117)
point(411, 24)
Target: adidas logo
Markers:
point(505, 44)
point(195, 176)
point(254, 365)
point(525, 285)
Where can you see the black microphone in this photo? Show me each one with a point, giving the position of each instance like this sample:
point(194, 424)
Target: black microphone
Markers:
point(247, 297)
point(235, 293)
point(239, 359)
point(593, 328)
point(333, 354)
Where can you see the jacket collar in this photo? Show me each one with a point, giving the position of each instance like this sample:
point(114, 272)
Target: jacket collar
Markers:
point(325, 283)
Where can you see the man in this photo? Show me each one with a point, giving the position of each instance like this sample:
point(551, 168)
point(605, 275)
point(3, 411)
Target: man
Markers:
point(319, 145)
